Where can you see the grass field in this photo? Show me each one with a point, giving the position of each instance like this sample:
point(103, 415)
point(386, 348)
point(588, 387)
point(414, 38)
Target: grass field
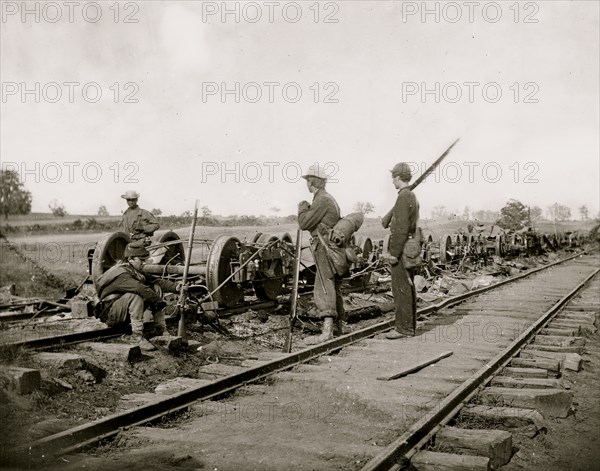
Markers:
point(45, 219)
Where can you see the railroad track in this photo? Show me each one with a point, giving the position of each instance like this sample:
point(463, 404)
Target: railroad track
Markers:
point(484, 335)
point(66, 336)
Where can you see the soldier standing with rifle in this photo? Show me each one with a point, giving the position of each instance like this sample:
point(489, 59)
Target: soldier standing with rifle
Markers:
point(320, 217)
point(405, 215)
point(402, 220)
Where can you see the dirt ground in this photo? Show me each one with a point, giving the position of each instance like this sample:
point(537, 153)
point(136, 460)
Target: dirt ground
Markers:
point(573, 443)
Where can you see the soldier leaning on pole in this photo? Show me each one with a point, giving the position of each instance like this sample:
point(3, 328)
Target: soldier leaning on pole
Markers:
point(318, 218)
point(402, 220)
point(137, 222)
point(125, 293)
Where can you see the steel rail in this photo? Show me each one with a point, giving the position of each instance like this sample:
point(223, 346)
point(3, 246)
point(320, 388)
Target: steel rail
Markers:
point(422, 430)
point(86, 435)
point(6, 317)
point(114, 332)
point(67, 339)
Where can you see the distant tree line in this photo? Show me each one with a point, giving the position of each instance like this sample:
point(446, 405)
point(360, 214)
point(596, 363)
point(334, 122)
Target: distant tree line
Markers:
point(14, 198)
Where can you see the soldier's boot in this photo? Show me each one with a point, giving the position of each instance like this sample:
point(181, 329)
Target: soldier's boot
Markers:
point(137, 337)
point(326, 334)
point(337, 327)
point(160, 325)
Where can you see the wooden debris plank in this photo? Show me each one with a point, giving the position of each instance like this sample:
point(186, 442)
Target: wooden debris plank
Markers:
point(417, 367)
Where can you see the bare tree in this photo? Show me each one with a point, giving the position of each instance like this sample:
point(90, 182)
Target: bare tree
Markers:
point(535, 214)
point(559, 212)
point(439, 212)
point(364, 207)
point(486, 215)
point(584, 213)
point(206, 212)
point(466, 213)
point(58, 209)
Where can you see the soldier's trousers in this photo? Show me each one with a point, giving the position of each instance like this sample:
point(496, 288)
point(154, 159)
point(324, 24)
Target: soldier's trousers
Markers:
point(131, 305)
point(327, 290)
point(405, 299)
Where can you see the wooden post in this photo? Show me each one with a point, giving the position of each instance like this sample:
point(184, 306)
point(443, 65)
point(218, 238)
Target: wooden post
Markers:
point(182, 293)
point(287, 348)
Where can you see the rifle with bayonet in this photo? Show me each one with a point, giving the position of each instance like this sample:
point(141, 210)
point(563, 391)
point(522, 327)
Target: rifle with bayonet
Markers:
point(184, 282)
point(388, 217)
point(432, 167)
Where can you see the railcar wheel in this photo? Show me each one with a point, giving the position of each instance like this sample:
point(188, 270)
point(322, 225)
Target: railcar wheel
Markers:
point(458, 245)
point(365, 245)
point(108, 252)
point(499, 245)
point(173, 254)
point(385, 244)
point(268, 283)
point(428, 248)
point(223, 251)
point(447, 252)
point(479, 245)
point(287, 238)
point(463, 242)
point(471, 243)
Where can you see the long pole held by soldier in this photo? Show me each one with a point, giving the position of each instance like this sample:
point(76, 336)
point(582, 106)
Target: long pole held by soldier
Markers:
point(186, 268)
point(287, 348)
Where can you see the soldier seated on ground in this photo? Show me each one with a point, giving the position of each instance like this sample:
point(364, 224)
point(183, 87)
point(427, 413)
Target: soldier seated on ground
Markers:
point(125, 293)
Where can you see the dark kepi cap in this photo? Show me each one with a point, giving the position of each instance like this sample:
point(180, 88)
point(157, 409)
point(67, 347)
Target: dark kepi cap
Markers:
point(136, 249)
point(402, 170)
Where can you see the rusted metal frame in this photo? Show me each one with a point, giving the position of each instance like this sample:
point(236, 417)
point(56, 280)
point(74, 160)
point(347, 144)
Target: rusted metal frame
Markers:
point(422, 430)
point(106, 428)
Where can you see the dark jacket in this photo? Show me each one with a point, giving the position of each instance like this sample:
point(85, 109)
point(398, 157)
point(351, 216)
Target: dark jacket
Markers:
point(404, 220)
point(138, 223)
point(123, 278)
point(324, 209)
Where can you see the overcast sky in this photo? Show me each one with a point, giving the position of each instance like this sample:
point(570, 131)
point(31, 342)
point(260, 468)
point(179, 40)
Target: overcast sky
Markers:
point(197, 105)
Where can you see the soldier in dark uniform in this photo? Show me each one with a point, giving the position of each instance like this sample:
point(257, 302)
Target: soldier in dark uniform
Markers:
point(137, 222)
point(125, 293)
point(404, 217)
point(319, 217)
